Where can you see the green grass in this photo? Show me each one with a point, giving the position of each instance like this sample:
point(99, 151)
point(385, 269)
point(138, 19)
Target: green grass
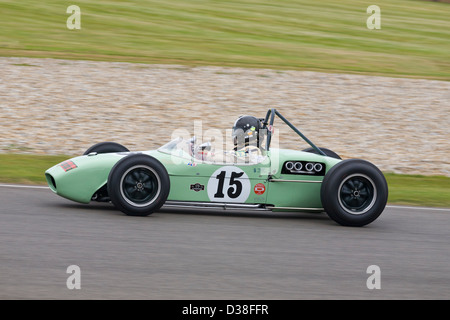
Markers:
point(25, 168)
point(322, 35)
point(433, 191)
point(403, 189)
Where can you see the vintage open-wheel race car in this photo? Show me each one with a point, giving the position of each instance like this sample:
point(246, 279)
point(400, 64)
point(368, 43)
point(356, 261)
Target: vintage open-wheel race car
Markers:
point(182, 173)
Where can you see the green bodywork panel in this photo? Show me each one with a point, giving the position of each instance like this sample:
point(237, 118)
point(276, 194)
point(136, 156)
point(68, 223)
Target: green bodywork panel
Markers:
point(297, 194)
point(193, 180)
point(80, 184)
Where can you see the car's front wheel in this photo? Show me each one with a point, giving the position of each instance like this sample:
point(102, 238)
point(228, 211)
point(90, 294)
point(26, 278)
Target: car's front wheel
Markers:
point(138, 185)
point(354, 192)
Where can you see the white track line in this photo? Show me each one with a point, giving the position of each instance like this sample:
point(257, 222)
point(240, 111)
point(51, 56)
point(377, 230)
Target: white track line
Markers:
point(22, 186)
point(421, 208)
point(388, 206)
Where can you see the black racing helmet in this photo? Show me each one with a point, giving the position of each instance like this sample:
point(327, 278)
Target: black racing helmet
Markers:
point(246, 131)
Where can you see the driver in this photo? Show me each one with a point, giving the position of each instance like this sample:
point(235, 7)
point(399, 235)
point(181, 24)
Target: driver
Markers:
point(246, 138)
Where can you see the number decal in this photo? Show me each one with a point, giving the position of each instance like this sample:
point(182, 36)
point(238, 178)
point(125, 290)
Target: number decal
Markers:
point(234, 194)
point(228, 184)
point(221, 178)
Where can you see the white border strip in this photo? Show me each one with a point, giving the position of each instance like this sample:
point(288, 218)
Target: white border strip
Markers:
point(418, 208)
point(22, 186)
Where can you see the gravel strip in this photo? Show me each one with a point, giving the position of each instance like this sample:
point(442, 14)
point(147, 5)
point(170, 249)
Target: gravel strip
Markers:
point(50, 106)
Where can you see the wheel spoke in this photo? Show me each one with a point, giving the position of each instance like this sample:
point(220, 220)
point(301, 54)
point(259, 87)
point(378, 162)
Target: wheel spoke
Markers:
point(359, 201)
point(129, 184)
point(142, 175)
point(130, 190)
point(346, 190)
point(149, 187)
point(146, 178)
point(359, 184)
point(351, 184)
point(363, 192)
point(129, 180)
point(347, 199)
point(135, 175)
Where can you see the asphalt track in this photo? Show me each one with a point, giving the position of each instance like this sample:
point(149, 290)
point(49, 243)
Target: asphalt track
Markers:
point(215, 255)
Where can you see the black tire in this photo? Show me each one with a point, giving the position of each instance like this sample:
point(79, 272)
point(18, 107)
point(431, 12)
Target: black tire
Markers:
point(138, 185)
point(354, 192)
point(328, 152)
point(106, 147)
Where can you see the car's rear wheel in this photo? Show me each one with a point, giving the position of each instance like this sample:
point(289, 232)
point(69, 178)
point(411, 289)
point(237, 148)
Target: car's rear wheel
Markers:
point(106, 147)
point(138, 185)
point(328, 152)
point(354, 192)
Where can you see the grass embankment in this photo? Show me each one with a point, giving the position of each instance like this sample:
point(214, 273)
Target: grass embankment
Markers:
point(431, 191)
point(26, 169)
point(403, 189)
point(325, 35)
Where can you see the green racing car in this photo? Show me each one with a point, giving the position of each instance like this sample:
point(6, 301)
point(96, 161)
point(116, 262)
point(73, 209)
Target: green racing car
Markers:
point(252, 176)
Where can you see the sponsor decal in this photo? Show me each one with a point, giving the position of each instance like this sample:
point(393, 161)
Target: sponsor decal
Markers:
point(197, 187)
point(192, 164)
point(68, 165)
point(259, 189)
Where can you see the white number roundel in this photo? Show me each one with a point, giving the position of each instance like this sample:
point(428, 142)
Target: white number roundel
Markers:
point(229, 184)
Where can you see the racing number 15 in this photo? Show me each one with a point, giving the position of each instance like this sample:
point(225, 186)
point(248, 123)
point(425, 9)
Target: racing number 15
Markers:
point(232, 192)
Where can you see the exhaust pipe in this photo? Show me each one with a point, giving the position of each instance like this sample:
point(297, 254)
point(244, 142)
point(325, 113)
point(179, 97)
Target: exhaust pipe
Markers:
point(289, 165)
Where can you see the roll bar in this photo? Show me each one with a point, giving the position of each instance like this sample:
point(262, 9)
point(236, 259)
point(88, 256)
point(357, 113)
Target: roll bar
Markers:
point(271, 113)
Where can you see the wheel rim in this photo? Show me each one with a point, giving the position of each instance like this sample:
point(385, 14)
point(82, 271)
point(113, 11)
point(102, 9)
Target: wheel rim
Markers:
point(357, 194)
point(140, 186)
